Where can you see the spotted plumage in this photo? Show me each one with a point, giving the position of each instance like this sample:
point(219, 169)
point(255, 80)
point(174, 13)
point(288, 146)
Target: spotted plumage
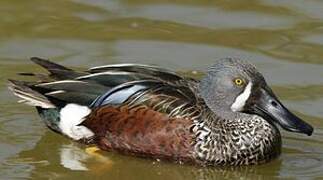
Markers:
point(226, 118)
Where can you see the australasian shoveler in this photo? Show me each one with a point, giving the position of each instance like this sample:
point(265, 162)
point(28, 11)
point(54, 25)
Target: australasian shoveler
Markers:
point(228, 117)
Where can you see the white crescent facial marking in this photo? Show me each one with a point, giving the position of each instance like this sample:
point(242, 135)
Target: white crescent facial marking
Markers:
point(242, 98)
point(71, 116)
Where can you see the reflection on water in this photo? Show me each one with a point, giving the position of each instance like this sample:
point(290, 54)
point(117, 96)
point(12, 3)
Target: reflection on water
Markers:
point(283, 38)
point(73, 157)
point(70, 159)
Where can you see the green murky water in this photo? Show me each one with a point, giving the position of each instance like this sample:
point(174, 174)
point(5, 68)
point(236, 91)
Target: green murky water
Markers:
point(283, 38)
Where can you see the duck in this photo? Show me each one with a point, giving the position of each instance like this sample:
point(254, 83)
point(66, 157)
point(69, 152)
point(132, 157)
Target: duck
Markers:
point(229, 117)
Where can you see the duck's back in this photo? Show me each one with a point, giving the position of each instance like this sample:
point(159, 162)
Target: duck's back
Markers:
point(134, 109)
point(148, 118)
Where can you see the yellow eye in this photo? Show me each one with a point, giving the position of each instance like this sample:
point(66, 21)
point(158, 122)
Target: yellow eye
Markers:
point(239, 82)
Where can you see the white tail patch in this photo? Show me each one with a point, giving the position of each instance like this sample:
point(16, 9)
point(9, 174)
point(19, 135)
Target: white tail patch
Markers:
point(242, 99)
point(71, 116)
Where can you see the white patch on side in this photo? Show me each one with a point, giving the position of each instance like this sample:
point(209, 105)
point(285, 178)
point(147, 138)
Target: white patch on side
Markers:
point(71, 116)
point(242, 99)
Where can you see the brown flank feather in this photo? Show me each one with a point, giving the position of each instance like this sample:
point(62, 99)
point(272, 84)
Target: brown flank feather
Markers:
point(141, 131)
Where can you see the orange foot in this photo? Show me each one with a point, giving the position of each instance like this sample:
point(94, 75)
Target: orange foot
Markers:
point(104, 163)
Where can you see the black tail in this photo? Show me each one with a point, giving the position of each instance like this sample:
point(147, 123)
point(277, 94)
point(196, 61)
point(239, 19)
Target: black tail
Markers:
point(57, 72)
point(48, 64)
point(57, 88)
point(29, 96)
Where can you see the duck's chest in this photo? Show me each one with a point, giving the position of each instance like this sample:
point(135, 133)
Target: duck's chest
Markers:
point(239, 143)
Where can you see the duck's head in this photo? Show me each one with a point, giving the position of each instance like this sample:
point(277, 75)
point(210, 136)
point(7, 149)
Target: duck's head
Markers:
point(233, 86)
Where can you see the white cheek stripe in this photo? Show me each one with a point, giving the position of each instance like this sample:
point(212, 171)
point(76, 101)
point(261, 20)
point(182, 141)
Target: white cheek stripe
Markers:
point(241, 99)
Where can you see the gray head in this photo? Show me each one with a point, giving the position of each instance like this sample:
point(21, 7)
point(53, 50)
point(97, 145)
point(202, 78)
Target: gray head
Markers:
point(233, 87)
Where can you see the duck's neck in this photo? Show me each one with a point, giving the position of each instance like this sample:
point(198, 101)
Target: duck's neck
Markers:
point(246, 139)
